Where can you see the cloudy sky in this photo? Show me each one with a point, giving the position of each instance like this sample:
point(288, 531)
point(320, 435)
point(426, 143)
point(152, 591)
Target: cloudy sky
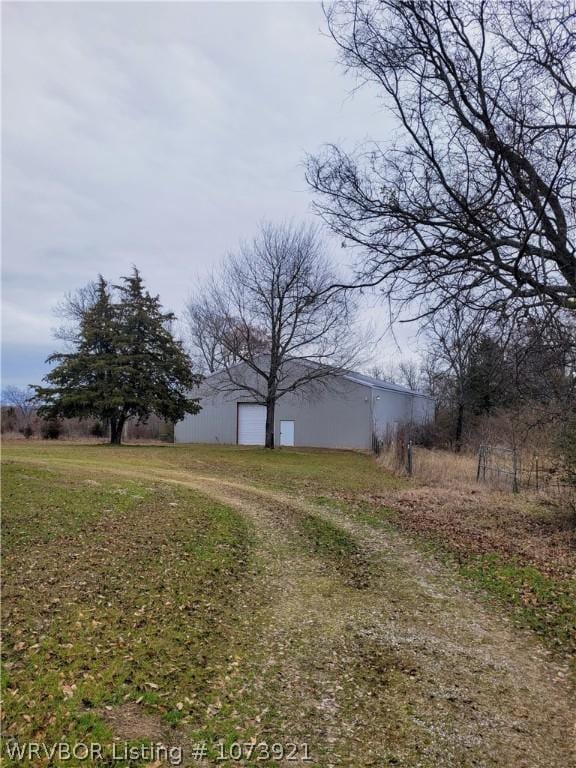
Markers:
point(156, 134)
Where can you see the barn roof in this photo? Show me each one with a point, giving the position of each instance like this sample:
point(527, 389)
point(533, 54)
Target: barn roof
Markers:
point(357, 378)
point(370, 381)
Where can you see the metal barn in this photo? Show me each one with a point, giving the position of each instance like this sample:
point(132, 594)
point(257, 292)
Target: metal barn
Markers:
point(344, 410)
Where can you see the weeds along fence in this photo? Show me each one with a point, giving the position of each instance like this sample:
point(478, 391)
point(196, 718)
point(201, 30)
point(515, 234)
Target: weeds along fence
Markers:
point(498, 467)
point(510, 467)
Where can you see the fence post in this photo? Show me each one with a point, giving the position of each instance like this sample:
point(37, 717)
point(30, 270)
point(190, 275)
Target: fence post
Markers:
point(409, 467)
point(515, 470)
point(537, 486)
point(479, 463)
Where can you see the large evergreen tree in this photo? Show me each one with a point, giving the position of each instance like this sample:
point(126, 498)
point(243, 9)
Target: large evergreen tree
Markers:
point(124, 362)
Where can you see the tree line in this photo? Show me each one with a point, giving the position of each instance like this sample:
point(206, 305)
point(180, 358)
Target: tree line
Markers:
point(500, 381)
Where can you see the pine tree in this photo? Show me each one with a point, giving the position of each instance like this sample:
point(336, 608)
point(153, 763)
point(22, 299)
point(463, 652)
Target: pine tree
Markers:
point(488, 376)
point(125, 362)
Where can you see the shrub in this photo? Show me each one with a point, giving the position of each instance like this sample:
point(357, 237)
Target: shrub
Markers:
point(166, 432)
point(98, 430)
point(27, 431)
point(9, 421)
point(51, 429)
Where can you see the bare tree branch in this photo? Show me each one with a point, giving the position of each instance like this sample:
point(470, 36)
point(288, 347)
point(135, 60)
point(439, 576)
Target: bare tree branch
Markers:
point(478, 195)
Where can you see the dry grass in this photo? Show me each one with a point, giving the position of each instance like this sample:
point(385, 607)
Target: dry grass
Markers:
point(444, 497)
point(518, 546)
point(483, 520)
point(448, 470)
point(436, 468)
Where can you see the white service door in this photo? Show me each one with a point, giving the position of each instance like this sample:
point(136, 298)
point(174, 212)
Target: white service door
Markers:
point(251, 424)
point(286, 433)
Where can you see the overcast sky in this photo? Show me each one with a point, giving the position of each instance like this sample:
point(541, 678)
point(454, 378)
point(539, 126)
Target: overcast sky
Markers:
point(156, 134)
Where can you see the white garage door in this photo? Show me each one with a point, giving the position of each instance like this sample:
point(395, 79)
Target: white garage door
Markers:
point(251, 424)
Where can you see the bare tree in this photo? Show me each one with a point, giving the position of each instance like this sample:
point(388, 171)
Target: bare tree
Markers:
point(453, 334)
point(539, 370)
point(206, 327)
point(519, 371)
point(387, 372)
point(22, 400)
point(406, 373)
point(409, 374)
point(478, 193)
point(73, 309)
point(269, 322)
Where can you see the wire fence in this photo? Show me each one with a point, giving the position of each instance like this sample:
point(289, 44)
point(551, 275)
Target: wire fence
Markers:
point(497, 466)
point(512, 467)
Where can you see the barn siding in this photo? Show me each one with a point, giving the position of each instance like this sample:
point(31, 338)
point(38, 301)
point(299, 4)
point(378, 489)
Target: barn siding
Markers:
point(335, 413)
point(393, 408)
point(326, 416)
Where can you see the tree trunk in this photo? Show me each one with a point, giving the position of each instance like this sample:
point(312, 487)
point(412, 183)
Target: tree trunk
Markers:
point(116, 429)
point(459, 428)
point(270, 409)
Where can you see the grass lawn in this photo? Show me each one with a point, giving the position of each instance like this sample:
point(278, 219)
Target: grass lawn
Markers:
point(304, 471)
point(158, 593)
point(117, 593)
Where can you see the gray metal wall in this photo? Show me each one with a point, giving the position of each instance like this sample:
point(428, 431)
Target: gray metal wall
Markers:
point(329, 415)
point(390, 409)
point(337, 413)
